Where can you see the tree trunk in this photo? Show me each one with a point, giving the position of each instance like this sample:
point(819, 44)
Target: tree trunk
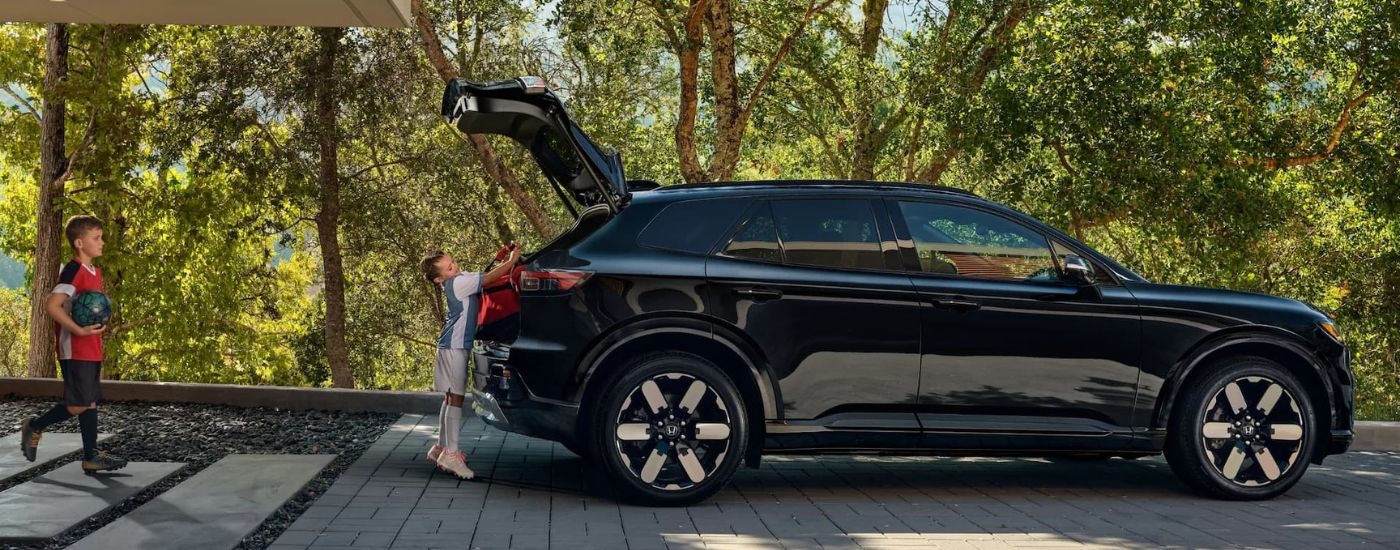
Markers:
point(53, 163)
point(689, 56)
point(867, 142)
point(729, 129)
point(328, 219)
point(496, 169)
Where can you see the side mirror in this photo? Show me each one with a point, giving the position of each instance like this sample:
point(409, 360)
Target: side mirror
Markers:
point(1079, 270)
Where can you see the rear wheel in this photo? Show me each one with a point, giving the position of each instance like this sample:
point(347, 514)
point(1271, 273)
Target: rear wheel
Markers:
point(670, 431)
point(1243, 432)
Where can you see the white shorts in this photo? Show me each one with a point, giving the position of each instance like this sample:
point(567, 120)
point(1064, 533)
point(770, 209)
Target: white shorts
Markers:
point(450, 374)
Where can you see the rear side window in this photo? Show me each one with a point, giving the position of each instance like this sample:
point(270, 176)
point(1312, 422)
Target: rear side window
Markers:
point(691, 226)
point(758, 239)
point(829, 233)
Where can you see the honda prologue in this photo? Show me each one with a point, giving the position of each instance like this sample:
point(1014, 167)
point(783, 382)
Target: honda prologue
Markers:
point(675, 332)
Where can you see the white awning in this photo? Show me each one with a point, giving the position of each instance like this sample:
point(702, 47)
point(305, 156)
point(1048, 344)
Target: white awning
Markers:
point(289, 13)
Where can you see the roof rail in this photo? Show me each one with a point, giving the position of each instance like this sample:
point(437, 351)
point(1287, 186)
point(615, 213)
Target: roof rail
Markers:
point(863, 184)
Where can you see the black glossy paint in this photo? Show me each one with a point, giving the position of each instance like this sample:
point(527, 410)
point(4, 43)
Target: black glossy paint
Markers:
point(840, 360)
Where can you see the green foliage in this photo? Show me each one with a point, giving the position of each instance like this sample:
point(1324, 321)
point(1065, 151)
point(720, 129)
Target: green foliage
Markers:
point(1251, 146)
point(14, 333)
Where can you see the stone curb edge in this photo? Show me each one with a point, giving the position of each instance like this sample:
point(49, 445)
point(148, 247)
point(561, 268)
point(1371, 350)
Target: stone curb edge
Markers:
point(1370, 436)
point(281, 397)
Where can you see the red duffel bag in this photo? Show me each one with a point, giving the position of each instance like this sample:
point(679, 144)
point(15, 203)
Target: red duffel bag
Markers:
point(498, 319)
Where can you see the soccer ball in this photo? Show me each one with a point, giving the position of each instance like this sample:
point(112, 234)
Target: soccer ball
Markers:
point(91, 308)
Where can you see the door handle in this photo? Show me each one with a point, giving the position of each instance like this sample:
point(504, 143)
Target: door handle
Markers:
point(957, 304)
point(759, 294)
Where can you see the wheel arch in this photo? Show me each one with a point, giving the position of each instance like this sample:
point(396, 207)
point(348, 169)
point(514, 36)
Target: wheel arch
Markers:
point(735, 357)
point(1276, 345)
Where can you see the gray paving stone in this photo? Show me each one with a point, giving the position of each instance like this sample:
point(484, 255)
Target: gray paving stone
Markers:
point(48, 505)
point(539, 496)
point(215, 508)
point(52, 446)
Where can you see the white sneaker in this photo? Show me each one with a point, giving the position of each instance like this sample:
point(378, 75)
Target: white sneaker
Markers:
point(434, 453)
point(455, 462)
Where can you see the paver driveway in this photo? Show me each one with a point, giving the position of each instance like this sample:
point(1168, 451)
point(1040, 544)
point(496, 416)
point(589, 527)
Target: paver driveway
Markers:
point(538, 495)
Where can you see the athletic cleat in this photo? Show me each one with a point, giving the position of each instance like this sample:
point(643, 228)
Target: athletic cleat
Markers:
point(455, 462)
point(29, 440)
point(434, 453)
point(103, 462)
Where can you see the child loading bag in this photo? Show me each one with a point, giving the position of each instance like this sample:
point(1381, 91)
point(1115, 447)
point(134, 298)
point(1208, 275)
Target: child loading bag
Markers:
point(498, 319)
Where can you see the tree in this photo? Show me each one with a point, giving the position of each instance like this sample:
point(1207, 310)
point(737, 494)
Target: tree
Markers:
point(55, 162)
point(93, 81)
point(327, 131)
point(490, 159)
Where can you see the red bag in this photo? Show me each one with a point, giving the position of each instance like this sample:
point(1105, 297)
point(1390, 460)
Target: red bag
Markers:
point(498, 319)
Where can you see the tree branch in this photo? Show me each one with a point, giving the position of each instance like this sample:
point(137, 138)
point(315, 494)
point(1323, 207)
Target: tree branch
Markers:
point(999, 38)
point(114, 331)
point(405, 337)
point(377, 165)
point(663, 22)
point(282, 150)
point(1064, 158)
point(891, 123)
point(86, 142)
point(1288, 162)
point(431, 44)
point(778, 59)
point(20, 99)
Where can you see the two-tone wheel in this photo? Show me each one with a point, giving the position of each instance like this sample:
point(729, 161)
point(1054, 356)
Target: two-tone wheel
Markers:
point(1245, 431)
point(671, 430)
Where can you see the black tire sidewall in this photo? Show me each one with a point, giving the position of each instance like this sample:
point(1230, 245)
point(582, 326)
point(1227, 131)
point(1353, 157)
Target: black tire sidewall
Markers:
point(1186, 451)
point(602, 433)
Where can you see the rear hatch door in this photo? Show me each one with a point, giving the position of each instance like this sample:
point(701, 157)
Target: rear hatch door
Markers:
point(524, 109)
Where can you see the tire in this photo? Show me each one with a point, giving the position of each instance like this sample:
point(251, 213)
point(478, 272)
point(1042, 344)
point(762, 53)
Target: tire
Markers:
point(1243, 431)
point(649, 432)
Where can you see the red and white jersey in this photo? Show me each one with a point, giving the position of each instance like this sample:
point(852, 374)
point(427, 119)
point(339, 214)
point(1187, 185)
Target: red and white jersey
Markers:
point(77, 278)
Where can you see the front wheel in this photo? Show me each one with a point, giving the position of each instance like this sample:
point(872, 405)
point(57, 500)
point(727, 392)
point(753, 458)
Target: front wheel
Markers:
point(1245, 431)
point(671, 430)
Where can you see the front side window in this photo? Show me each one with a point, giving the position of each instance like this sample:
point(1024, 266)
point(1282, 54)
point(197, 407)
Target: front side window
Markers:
point(829, 233)
point(955, 240)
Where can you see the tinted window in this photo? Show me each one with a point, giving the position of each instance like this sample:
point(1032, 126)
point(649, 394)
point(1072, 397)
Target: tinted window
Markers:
point(558, 158)
point(691, 226)
point(829, 233)
point(758, 239)
point(955, 240)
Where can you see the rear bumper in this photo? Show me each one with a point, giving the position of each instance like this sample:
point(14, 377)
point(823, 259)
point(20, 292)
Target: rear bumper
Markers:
point(506, 403)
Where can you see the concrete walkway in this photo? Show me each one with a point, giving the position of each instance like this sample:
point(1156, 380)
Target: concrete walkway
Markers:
point(539, 495)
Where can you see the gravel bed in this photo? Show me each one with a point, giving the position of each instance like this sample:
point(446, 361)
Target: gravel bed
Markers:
point(199, 435)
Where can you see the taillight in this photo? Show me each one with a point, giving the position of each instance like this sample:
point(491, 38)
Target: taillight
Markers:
point(552, 279)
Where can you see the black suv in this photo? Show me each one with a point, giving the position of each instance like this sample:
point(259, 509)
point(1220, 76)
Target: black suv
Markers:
point(675, 332)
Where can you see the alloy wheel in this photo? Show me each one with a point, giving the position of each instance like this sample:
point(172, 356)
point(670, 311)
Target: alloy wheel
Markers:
point(672, 431)
point(1252, 432)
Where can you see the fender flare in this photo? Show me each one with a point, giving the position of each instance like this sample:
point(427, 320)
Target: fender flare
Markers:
point(1214, 345)
point(680, 325)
